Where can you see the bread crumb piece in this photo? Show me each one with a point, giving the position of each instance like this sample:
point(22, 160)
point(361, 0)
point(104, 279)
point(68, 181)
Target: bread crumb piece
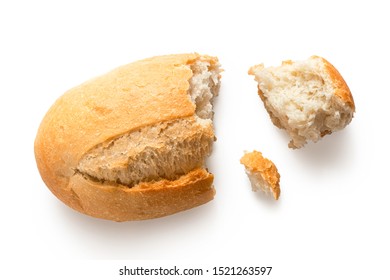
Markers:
point(262, 173)
point(309, 98)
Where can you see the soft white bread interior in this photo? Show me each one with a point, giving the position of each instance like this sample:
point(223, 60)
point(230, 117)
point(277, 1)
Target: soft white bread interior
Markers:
point(262, 173)
point(132, 144)
point(308, 98)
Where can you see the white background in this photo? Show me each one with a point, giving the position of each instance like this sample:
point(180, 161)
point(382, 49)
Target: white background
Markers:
point(332, 220)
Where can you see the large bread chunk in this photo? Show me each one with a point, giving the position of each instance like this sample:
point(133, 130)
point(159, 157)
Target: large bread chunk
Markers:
point(308, 98)
point(132, 144)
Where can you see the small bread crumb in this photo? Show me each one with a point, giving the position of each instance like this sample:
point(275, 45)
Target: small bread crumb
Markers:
point(262, 173)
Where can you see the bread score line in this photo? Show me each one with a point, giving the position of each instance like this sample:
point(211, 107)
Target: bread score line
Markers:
point(132, 144)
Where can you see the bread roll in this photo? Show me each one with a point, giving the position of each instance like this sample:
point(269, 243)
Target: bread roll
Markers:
point(132, 144)
point(309, 98)
point(262, 173)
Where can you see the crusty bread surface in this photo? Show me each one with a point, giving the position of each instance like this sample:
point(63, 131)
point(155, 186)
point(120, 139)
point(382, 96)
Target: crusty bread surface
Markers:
point(132, 144)
point(309, 98)
point(262, 173)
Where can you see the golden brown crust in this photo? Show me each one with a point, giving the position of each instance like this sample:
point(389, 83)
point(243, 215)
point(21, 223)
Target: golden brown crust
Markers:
point(144, 201)
point(339, 84)
point(255, 162)
point(128, 98)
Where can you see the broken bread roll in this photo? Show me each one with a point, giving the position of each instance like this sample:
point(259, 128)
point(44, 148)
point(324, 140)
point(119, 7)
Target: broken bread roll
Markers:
point(262, 173)
point(132, 144)
point(308, 98)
